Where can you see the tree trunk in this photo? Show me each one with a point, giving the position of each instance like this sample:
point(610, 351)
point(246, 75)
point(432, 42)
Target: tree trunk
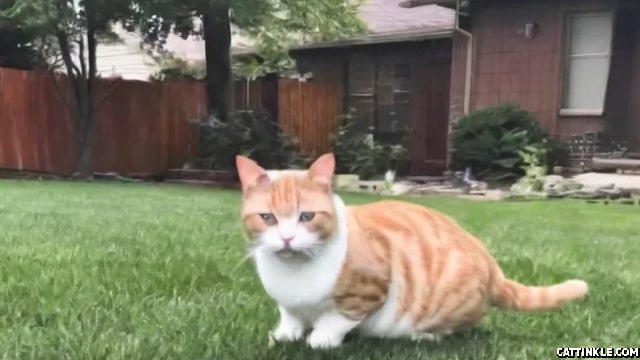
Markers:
point(217, 36)
point(78, 106)
point(83, 131)
point(84, 165)
point(81, 79)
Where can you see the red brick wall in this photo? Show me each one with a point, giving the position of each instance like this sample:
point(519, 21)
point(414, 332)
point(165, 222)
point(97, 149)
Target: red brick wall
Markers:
point(508, 67)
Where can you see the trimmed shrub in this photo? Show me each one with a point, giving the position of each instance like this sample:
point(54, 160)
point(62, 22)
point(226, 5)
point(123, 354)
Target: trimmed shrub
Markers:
point(491, 140)
point(251, 133)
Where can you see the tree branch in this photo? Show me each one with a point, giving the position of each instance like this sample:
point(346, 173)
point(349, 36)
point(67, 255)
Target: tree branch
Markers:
point(57, 62)
point(65, 50)
point(83, 63)
point(73, 78)
point(92, 44)
point(66, 57)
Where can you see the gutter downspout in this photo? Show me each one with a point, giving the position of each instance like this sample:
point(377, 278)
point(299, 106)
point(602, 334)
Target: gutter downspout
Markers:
point(469, 60)
point(467, 73)
point(467, 85)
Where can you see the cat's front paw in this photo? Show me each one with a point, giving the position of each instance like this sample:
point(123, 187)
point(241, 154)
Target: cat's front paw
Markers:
point(324, 340)
point(286, 332)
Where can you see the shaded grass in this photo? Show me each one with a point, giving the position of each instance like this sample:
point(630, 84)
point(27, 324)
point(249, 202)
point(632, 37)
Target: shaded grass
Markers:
point(127, 271)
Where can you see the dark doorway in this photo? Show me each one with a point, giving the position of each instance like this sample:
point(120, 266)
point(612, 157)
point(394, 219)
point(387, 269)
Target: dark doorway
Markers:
point(430, 118)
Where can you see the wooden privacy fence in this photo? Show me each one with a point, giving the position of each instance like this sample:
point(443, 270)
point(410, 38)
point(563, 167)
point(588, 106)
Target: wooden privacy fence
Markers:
point(309, 111)
point(257, 94)
point(139, 127)
point(142, 127)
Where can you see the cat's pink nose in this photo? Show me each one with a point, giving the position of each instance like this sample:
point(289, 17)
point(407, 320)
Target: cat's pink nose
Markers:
point(287, 240)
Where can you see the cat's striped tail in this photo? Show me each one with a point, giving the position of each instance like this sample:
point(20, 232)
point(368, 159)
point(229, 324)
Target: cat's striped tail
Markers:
point(511, 295)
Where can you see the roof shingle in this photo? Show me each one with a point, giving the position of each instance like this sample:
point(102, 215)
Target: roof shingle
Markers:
point(387, 16)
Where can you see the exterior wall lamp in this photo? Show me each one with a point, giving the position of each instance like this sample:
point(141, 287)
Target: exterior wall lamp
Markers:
point(531, 29)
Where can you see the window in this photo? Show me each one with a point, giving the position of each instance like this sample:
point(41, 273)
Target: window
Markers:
point(588, 54)
point(380, 93)
point(361, 92)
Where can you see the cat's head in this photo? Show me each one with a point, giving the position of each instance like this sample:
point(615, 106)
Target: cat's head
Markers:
point(288, 211)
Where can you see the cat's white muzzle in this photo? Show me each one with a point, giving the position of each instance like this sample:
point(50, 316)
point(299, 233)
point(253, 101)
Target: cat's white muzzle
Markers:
point(288, 237)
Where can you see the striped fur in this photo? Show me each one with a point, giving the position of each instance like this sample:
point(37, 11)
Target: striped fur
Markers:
point(384, 269)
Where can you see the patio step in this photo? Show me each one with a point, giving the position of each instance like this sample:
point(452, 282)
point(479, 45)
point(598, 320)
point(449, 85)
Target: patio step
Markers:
point(621, 166)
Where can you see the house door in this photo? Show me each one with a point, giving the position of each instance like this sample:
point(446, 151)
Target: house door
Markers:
point(430, 117)
point(396, 91)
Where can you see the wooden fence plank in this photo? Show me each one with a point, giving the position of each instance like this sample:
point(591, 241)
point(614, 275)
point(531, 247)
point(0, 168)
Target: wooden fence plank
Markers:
point(309, 111)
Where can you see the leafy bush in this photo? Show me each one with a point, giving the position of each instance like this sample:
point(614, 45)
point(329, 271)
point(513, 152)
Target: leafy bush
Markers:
point(491, 140)
point(358, 153)
point(251, 133)
point(557, 152)
point(535, 166)
point(175, 69)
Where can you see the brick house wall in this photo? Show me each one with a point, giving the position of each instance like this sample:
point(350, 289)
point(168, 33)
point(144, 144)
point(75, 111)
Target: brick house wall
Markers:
point(509, 67)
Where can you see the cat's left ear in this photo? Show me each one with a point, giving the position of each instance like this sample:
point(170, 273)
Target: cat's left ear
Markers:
point(322, 169)
point(249, 172)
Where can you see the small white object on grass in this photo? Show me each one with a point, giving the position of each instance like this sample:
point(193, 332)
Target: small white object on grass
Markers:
point(389, 178)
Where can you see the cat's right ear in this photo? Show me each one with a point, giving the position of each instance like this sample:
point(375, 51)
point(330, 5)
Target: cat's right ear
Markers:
point(249, 172)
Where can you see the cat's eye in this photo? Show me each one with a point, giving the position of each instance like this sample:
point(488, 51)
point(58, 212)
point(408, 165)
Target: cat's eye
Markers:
point(307, 216)
point(268, 218)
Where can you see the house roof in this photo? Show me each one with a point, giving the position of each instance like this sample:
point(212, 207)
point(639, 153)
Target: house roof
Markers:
point(393, 20)
point(390, 16)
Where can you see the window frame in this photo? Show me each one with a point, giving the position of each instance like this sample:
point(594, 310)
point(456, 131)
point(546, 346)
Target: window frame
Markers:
point(567, 57)
point(375, 128)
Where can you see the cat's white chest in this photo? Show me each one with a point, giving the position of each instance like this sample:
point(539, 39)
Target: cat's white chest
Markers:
point(300, 284)
point(305, 284)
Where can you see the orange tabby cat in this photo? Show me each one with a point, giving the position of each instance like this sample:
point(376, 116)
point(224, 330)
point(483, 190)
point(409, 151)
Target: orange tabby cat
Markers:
point(385, 269)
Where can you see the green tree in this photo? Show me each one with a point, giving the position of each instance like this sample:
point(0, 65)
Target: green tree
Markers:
point(18, 43)
point(72, 30)
point(274, 24)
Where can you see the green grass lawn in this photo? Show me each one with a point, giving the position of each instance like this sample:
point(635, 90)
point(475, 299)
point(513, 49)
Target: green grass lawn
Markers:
point(113, 271)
